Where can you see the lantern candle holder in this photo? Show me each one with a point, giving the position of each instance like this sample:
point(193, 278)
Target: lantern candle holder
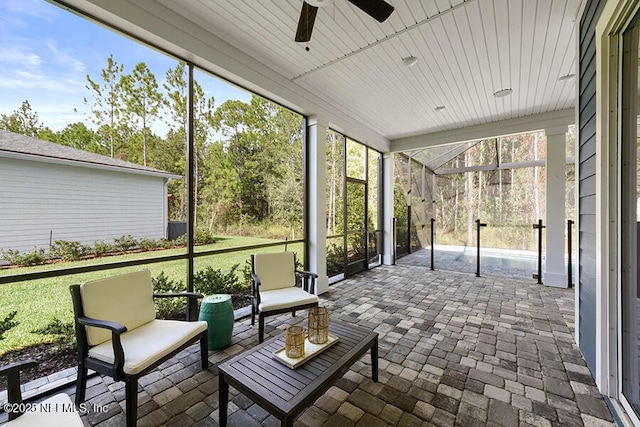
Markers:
point(318, 325)
point(294, 341)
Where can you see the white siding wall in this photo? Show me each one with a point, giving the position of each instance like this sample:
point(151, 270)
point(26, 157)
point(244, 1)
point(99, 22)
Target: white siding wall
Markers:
point(76, 203)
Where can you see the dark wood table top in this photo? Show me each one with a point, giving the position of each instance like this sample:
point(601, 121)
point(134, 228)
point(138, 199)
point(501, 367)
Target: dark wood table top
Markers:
point(286, 391)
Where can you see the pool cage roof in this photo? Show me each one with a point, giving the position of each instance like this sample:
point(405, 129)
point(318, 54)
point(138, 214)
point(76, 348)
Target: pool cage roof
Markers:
point(433, 158)
point(439, 159)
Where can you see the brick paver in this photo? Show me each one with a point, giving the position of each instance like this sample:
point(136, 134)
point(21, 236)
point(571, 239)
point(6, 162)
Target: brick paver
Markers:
point(455, 350)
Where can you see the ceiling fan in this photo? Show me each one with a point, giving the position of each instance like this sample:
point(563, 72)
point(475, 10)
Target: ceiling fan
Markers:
point(380, 10)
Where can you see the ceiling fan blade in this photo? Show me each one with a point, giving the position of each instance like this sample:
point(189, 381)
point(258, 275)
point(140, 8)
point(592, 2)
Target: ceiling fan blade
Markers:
point(305, 24)
point(379, 10)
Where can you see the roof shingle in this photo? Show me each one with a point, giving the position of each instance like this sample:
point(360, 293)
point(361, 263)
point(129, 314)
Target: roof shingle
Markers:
point(21, 144)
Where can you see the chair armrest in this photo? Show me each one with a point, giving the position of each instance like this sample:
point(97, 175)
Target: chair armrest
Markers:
point(255, 288)
point(116, 329)
point(309, 280)
point(180, 294)
point(256, 283)
point(307, 273)
point(11, 368)
point(255, 278)
point(14, 394)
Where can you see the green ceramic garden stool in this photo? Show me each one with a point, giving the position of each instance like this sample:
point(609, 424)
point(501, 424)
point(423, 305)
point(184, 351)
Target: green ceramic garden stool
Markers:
point(217, 310)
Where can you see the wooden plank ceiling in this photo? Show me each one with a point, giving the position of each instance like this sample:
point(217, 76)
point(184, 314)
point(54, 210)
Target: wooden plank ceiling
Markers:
point(466, 51)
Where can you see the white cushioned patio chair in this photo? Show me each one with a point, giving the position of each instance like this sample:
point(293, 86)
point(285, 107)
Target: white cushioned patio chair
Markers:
point(274, 289)
point(55, 411)
point(118, 334)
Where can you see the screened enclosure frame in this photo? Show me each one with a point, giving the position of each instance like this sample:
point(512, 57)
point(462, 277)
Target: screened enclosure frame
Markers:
point(190, 254)
point(354, 266)
point(490, 158)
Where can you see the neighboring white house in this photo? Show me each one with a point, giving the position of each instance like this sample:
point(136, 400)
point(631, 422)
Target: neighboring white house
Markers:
point(52, 192)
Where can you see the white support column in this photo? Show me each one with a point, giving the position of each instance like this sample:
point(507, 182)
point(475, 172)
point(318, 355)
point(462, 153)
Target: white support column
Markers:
point(555, 273)
point(316, 133)
point(387, 168)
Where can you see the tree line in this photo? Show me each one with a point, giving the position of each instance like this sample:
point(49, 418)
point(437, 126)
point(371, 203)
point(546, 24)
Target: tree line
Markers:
point(508, 200)
point(247, 155)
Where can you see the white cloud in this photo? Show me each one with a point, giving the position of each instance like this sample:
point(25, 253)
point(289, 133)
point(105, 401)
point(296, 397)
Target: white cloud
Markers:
point(53, 69)
point(65, 57)
point(34, 8)
point(13, 80)
point(53, 113)
point(57, 115)
point(13, 13)
point(19, 55)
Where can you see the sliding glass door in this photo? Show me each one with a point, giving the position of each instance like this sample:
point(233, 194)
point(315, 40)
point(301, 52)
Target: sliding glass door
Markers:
point(628, 148)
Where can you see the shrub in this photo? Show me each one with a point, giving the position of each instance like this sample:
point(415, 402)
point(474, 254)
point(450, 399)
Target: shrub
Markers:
point(162, 284)
point(166, 243)
point(179, 241)
point(247, 269)
point(8, 323)
point(335, 259)
point(169, 308)
point(68, 251)
point(125, 243)
point(10, 255)
point(149, 244)
point(210, 281)
point(101, 248)
point(35, 257)
point(204, 237)
point(61, 331)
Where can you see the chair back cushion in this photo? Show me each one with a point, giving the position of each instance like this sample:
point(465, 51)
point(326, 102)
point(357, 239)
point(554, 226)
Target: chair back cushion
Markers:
point(126, 299)
point(275, 270)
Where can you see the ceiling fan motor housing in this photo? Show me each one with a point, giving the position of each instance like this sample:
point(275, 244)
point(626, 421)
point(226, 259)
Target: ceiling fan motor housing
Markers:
point(319, 3)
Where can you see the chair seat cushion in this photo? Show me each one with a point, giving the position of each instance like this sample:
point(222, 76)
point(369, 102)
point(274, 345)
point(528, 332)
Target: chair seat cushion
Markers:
point(284, 298)
point(56, 411)
point(148, 343)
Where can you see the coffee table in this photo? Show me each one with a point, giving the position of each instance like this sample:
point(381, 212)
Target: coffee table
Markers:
point(286, 392)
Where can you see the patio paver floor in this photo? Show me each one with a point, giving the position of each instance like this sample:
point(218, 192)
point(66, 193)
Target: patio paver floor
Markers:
point(454, 350)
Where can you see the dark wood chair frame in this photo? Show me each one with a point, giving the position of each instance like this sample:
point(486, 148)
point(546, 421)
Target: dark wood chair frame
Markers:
point(14, 395)
point(116, 370)
point(307, 282)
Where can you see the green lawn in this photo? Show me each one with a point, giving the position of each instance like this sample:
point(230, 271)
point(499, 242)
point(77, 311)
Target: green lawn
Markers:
point(38, 302)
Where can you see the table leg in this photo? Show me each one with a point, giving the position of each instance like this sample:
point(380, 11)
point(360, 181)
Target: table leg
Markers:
point(287, 422)
point(374, 360)
point(223, 398)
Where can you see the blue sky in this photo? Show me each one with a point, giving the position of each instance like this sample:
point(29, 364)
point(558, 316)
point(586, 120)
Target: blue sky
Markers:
point(47, 52)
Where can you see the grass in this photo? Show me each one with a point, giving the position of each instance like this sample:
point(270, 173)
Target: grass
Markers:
point(39, 302)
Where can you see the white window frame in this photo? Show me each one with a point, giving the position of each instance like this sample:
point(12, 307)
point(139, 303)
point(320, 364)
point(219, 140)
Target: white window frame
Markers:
point(613, 21)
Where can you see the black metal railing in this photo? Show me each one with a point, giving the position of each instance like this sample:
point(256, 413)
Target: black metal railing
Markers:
point(569, 251)
point(433, 241)
point(539, 227)
point(478, 226)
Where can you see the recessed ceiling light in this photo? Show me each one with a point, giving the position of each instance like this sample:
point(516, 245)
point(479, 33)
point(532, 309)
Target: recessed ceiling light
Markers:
point(440, 108)
point(567, 77)
point(502, 92)
point(319, 3)
point(410, 61)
